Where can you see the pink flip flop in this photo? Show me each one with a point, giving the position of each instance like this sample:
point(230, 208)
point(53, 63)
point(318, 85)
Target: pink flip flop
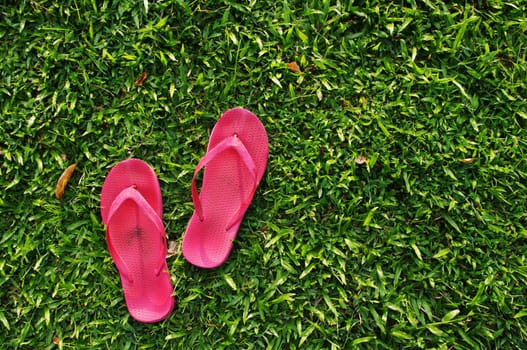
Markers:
point(131, 209)
point(234, 164)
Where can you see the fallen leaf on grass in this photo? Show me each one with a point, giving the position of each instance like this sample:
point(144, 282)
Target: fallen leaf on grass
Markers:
point(467, 160)
point(293, 67)
point(172, 249)
point(361, 160)
point(141, 80)
point(63, 180)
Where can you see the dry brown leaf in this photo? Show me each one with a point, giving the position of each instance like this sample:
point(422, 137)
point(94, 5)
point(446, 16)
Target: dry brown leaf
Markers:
point(141, 80)
point(63, 180)
point(467, 160)
point(172, 249)
point(361, 160)
point(293, 67)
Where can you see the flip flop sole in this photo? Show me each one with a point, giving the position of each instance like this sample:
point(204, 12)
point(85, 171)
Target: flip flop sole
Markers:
point(226, 183)
point(136, 239)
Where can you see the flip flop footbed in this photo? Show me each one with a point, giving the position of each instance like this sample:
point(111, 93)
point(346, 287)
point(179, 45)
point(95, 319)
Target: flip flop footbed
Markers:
point(136, 242)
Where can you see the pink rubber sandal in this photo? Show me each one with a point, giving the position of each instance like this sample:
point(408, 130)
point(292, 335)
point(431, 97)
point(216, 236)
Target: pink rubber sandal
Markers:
point(131, 209)
point(234, 164)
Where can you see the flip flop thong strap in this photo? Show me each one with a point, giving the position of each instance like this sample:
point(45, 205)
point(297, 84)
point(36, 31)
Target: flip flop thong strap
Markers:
point(236, 144)
point(131, 193)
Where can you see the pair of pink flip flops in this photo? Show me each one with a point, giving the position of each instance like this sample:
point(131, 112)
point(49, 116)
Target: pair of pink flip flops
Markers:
point(131, 209)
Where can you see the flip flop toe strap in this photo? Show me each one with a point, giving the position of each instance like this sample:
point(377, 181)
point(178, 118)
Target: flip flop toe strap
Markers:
point(236, 144)
point(131, 193)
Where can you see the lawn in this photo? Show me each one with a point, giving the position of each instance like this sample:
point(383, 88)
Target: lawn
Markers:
point(393, 211)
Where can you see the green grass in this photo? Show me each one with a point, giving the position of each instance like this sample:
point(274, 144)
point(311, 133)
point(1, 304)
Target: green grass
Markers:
point(413, 249)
